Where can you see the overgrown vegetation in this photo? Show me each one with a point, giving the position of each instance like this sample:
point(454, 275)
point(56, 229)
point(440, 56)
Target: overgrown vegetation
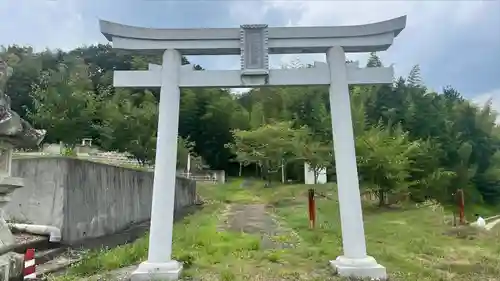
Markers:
point(413, 243)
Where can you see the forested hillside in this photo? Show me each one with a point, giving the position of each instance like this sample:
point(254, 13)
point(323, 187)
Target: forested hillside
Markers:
point(408, 140)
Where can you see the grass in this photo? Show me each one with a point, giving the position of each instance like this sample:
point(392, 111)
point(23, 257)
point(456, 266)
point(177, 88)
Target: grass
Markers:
point(413, 243)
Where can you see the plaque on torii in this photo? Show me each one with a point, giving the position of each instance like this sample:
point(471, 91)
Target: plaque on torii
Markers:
point(254, 54)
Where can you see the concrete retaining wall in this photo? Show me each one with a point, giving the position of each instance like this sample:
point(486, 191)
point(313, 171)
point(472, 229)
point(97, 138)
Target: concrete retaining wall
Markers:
point(86, 199)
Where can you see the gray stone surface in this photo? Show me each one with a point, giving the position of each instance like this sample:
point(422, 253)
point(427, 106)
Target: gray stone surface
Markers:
point(15, 262)
point(86, 199)
point(13, 128)
point(255, 219)
point(6, 237)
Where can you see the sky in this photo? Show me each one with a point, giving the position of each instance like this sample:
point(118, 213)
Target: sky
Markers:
point(455, 43)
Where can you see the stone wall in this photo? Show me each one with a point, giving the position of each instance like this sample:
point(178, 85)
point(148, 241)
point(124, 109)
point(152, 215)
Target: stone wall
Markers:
point(86, 199)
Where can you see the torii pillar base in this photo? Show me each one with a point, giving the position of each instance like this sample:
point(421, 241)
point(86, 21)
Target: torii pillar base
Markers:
point(359, 268)
point(169, 271)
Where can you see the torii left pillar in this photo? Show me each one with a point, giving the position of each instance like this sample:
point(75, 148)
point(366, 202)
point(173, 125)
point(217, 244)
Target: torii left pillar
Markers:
point(160, 265)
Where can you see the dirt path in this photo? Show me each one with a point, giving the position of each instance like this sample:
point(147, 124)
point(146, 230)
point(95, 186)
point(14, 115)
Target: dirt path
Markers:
point(492, 224)
point(255, 219)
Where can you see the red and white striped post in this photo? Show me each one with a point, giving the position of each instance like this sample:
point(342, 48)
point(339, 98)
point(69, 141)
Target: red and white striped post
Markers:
point(29, 271)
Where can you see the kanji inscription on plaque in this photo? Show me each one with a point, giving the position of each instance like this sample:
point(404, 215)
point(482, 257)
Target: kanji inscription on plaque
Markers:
point(254, 52)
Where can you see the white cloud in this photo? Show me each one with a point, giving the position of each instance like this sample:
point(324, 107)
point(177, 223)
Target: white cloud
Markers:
point(360, 12)
point(249, 11)
point(428, 25)
point(43, 24)
point(436, 32)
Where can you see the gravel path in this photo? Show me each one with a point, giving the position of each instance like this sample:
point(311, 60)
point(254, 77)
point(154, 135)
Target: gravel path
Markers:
point(255, 219)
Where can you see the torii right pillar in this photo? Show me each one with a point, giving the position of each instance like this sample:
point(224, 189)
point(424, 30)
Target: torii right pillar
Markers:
point(355, 262)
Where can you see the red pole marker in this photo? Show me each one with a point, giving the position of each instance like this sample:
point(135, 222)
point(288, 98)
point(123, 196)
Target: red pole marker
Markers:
point(312, 209)
point(29, 271)
point(461, 205)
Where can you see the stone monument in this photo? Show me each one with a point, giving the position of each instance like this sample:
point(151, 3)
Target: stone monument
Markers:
point(15, 132)
point(254, 44)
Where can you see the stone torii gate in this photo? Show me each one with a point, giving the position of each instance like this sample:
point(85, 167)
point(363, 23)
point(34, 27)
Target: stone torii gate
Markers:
point(254, 43)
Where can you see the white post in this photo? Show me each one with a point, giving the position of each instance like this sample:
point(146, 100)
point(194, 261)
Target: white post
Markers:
point(282, 172)
point(159, 265)
point(355, 261)
point(188, 165)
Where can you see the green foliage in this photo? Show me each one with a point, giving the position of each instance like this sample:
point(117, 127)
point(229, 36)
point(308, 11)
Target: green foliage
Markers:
point(64, 102)
point(374, 61)
point(269, 146)
point(129, 128)
point(384, 160)
point(185, 149)
point(206, 118)
point(408, 139)
point(68, 151)
point(429, 179)
point(310, 149)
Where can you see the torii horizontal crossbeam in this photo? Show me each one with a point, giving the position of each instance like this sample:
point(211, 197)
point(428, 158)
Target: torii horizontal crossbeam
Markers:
point(317, 75)
point(372, 37)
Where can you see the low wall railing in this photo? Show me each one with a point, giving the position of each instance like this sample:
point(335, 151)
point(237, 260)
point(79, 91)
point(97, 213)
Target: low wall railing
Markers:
point(117, 159)
point(199, 178)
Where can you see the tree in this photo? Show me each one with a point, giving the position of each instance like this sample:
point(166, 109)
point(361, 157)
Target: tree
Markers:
point(71, 95)
point(316, 153)
point(383, 161)
point(64, 103)
point(257, 118)
point(414, 78)
point(429, 180)
point(464, 172)
point(374, 60)
point(131, 128)
point(27, 68)
point(128, 128)
point(206, 119)
point(270, 146)
point(185, 149)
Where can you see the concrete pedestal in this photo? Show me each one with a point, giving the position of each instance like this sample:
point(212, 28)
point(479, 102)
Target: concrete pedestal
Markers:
point(360, 268)
point(147, 271)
